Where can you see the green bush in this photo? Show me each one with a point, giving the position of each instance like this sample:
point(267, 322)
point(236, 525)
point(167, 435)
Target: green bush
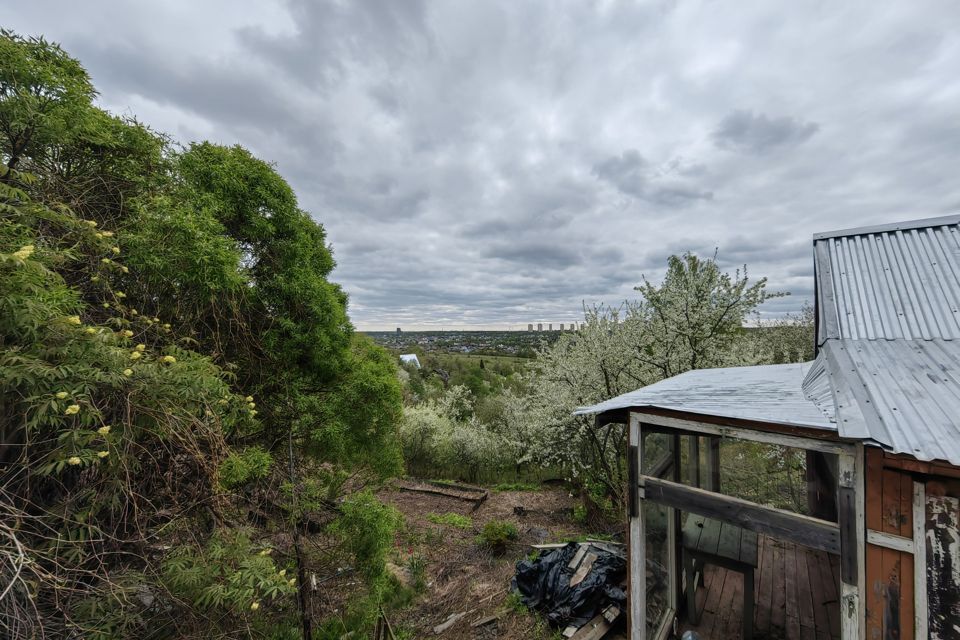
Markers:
point(496, 534)
point(245, 466)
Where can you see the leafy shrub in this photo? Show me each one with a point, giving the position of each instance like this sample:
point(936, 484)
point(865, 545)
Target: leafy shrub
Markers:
point(496, 534)
point(451, 520)
point(366, 528)
point(245, 466)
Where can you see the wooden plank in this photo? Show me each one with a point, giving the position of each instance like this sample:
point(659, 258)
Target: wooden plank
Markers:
point(730, 599)
point(728, 544)
point(583, 569)
point(847, 516)
point(777, 523)
point(891, 581)
point(906, 596)
point(768, 578)
point(717, 582)
point(710, 536)
point(890, 541)
point(713, 463)
point(804, 590)
point(748, 547)
point(876, 592)
point(593, 630)
point(906, 505)
point(753, 435)
point(818, 593)
point(890, 522)
point(919, 561)
point(831, 597)
point(779, 597)
point(792, 612)
point(874, 486)
point(637, 590)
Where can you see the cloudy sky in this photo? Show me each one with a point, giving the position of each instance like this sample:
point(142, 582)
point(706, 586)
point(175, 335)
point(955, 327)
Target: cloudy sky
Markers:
point(494, 163)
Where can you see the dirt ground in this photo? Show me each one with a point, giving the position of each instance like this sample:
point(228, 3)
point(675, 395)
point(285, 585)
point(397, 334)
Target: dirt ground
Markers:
point(458, 575)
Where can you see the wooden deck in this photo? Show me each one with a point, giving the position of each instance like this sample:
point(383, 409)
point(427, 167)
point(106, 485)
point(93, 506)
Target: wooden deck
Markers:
point(796, 596)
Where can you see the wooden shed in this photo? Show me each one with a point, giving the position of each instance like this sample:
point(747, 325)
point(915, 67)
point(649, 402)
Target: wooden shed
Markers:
point(872, 549)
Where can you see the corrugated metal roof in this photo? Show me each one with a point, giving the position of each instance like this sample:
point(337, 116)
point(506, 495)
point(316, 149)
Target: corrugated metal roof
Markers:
point(891, 281)
point(905, 393)
point(766, 393)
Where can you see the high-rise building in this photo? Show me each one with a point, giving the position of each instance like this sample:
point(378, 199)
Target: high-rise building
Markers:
point(551, 327)
point(561, 326)
point(539, 326)
point(398, 330)
point(529, 327)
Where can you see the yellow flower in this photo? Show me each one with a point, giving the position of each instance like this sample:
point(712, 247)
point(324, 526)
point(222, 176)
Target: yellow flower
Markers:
point(249, 398)
point(126, 333)
point(102, 454)
point(266, 552)
point(141, 347)
point(222, 401)
point(61, 395)
point(73, 319)
point(253, 413)
point(108, 234)
point(72, 409)
point(74, 460)
point(99, 235)
point(124, 269)
point(128, 372)
point(166, 326)
point(292, 581)
point(168, 359)
point(252, 405)
point(104, 430)
point(106, 260)
point(91, 330)
point(133, 312)
point(120, 294)
point(135, 355)
point(92, 223)
point(116, 250)
point(254, 606)
point(95, 279)
point(283, 572)
point(106, 305)
point(24, 252)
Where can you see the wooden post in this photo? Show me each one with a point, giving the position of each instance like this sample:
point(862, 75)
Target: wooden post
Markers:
point(638, 561)
point(693, 455)
point(850, 505)
point(920, 609)
point(713, 463)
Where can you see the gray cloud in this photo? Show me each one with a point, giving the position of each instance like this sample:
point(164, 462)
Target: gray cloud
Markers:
point(757, 133)
point(501, 162)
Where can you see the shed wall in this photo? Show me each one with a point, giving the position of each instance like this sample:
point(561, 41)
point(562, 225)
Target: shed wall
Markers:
point(889, 573)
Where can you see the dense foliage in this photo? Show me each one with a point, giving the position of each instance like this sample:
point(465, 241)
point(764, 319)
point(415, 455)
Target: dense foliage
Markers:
point(170, 350)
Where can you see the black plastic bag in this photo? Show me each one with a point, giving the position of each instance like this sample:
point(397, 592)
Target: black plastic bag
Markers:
point(544, 585)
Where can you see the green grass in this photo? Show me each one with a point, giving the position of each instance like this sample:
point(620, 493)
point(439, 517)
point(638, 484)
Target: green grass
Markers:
point(451, 520)
point(517, 486)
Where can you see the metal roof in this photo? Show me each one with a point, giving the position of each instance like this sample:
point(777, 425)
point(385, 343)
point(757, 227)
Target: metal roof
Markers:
point(766, 393)
point(890, 281)
point(902, 394)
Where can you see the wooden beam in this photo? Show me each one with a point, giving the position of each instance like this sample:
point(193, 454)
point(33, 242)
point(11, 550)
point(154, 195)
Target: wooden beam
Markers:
point(637, 591)
point(920, 609)
point(850, 508)
point(696, 427)
point(777, 523)
point(713, 463)
point(890, 541)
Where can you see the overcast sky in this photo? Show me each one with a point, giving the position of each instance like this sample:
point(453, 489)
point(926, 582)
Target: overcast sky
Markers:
point(490, 164)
